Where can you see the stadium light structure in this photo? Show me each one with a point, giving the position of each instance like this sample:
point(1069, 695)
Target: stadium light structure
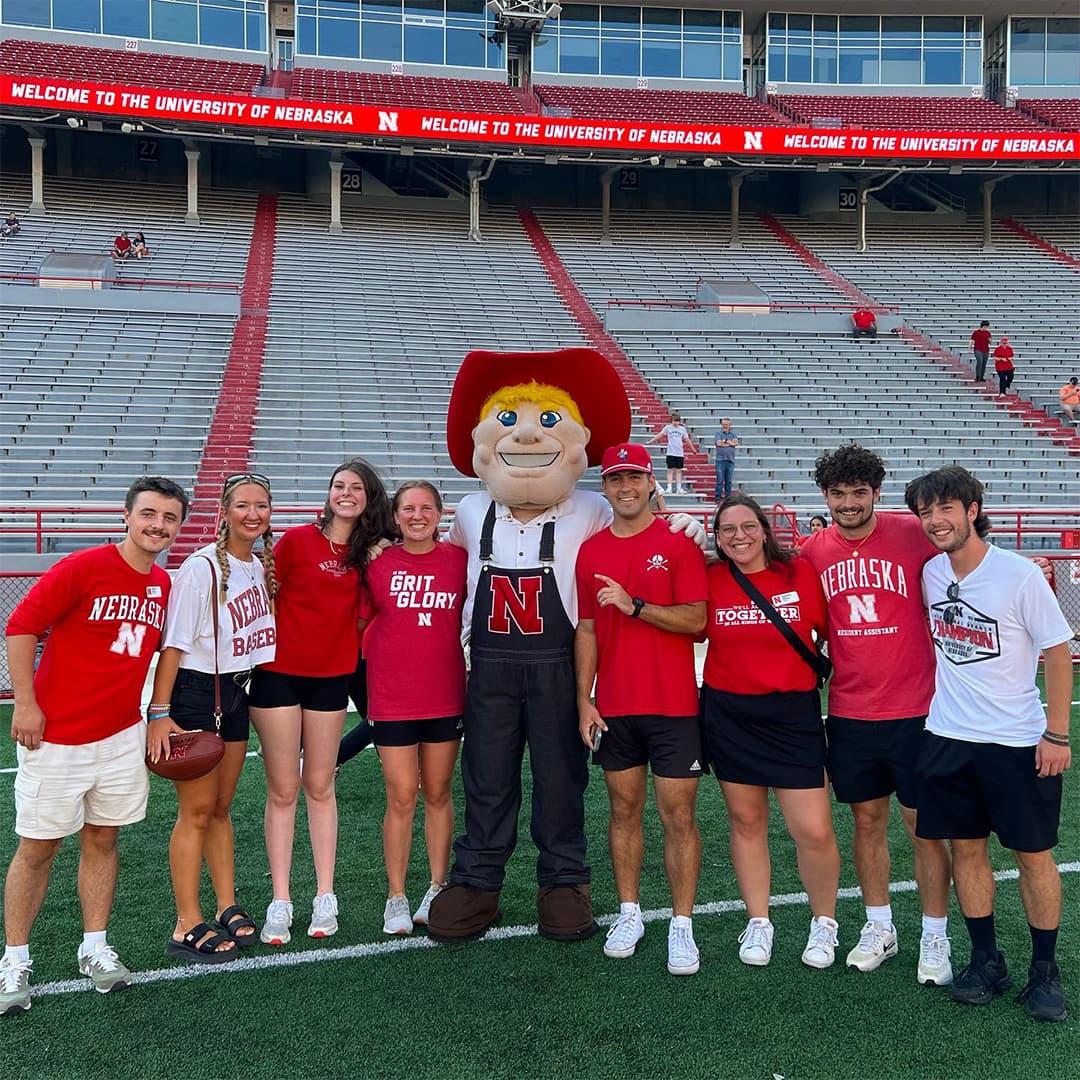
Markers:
point(526, 16)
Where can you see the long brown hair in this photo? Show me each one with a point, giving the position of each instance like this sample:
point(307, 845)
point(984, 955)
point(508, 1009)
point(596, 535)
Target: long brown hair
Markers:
point(374, 524)
point(773, 551)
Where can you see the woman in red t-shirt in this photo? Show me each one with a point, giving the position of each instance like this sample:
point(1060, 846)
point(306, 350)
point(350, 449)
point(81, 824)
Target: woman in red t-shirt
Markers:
point(763, 729)
point(416, 689)
point(300, 699)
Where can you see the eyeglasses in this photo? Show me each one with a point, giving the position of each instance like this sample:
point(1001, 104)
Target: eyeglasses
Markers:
point(244, 478)
point(953, 591)
point(751, 528)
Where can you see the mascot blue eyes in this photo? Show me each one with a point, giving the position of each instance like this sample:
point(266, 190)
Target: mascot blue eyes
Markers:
point(508, 418)
point(549, 418)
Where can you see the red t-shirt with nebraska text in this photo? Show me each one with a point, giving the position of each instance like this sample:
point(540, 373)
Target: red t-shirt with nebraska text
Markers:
point(980, 340)
point(316, 608)
point(106, 621)
point(879, 641)
point(642, 670)
point(415, 663)
point(747, 654)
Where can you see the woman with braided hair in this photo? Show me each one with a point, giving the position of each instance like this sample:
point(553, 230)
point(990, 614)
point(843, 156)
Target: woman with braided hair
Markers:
point(197, 650)
point(300, 699)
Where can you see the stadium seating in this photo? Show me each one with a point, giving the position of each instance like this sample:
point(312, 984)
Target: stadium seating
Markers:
point(1061, 230)
point(1063, 113)
point(674, 106)
point(420, 92)
point(47, 58)
point(928, 113)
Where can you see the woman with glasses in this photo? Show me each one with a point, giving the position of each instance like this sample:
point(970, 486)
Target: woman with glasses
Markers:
point(299, 700)
point(199, 648)
point(414, 598)
point(763, 729)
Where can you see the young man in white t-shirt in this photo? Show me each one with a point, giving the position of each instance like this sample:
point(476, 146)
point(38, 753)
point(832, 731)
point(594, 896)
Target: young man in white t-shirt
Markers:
point(992, 762)
point(677, 438)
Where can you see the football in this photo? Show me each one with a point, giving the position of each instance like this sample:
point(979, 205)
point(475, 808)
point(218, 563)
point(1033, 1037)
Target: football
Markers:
point(191, 755)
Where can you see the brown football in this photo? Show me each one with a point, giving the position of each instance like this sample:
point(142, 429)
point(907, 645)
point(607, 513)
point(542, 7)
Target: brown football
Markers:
point(191, 755)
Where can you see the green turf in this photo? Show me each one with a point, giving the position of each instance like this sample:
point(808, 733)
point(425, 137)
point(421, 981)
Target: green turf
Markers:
point(522, 1007)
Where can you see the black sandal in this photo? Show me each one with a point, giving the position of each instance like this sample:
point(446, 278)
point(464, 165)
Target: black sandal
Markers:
point(236, 918)
point(200, 946)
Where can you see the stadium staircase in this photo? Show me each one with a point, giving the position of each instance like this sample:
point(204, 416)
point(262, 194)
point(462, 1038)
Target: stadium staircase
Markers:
point(1040, 242)
point(643, 399)
point(230, 438)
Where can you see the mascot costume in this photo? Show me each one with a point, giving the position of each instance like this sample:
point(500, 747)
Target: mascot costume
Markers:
point(528, 425)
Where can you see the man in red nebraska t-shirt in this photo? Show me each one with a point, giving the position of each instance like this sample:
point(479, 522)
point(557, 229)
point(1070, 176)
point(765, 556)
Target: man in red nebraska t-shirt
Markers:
point(641, 599)
point(78, 726)
point(980, 346)
point(870, 568)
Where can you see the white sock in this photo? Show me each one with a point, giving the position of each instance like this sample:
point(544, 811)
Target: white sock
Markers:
point(18, 954)
point(880, 915)
point(629, 909)
point(933, 925)
point(91, 942)
point(682, 920)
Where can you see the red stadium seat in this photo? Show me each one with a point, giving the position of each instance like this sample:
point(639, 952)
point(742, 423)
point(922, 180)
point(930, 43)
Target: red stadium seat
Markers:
point(940, 113)
point(674, 106)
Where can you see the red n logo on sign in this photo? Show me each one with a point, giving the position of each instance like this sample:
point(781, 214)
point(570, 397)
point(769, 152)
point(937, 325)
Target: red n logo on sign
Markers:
point(508, 603)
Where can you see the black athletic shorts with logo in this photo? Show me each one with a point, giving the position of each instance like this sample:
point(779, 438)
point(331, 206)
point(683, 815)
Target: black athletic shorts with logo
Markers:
point(671, 745)
point(870, 759)
point(414, 732)
point(969, 790)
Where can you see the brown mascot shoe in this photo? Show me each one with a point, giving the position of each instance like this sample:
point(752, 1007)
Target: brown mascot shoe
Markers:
point(566, 912)
point(462, 913)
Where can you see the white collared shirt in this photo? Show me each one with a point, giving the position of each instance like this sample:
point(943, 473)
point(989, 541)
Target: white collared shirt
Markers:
point(516, 545)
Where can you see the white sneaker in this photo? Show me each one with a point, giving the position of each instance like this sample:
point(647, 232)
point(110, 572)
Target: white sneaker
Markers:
point(420, 915)
point(276, 928)
point(820, 951)
point(935, 961)
point(680, 490)
point(323, 916)
point(104, 969)
point(683, 957)
point(660, 487)
point(14, 986)
point(626, 931)
point(755, 943)
point(876, 945)
point(396, 918)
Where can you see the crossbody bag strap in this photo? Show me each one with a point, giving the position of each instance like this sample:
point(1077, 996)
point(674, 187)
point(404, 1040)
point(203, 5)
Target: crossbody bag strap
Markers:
point(214, 613)
point(775, 618)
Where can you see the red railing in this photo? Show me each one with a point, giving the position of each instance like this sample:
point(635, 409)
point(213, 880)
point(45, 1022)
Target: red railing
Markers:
point(125, 283)
point(750, 305)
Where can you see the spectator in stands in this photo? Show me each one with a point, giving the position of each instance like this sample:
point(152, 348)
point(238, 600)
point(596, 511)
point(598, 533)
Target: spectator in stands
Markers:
point(412, 607)
point(10, 226)
point(980, 346)
point(138, 247)
point(864, 324)
point(816, 524)
point(299, 698)
point(78, 726)
point(725, 442)
point(220, 625)
point(761, 721)
point(1003, 365)
point(121, 246)
point(1069, 396)
point(678, 439)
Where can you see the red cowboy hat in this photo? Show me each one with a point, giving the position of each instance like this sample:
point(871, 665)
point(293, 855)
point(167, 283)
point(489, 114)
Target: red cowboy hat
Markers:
point(582, 373)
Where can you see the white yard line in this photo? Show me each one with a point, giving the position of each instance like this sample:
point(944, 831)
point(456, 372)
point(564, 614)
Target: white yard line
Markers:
point(267, 961)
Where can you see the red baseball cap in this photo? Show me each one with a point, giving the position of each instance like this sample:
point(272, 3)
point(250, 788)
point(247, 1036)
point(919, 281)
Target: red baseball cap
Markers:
point(626, 457)
point(585, 374)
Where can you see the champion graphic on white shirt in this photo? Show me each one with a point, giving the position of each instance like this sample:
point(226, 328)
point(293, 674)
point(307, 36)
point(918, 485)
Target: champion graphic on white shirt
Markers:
point(963, 634)
point(656, 562)
point(696, 767)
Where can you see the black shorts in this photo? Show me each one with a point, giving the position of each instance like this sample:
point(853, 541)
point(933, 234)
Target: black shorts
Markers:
point(193, 704)
point(870, 759)
point(674, 462)
point(671, 745)
point(276, 690)
point(412, 732)
point(768, 740)
point(968, 790)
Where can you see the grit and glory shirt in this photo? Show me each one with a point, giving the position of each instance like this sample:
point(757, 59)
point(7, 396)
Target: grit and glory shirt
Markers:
point(247, 635)
point(988, 641)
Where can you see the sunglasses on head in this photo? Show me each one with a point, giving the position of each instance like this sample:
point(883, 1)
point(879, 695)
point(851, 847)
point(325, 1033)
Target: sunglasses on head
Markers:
point(244, 478)
point(953, 591)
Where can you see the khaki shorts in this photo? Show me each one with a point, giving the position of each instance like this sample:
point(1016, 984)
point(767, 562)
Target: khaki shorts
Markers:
point(59, 788)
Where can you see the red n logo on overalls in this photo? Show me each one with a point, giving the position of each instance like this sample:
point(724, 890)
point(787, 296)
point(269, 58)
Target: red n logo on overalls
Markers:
point(523, 607)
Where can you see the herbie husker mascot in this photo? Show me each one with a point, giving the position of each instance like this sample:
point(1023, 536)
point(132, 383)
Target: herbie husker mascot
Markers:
point(528, 425)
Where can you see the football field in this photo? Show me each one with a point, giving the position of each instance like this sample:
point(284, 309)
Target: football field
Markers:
point(515, 1005)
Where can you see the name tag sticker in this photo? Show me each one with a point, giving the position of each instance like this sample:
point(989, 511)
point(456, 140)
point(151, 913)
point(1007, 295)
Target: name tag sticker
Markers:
point(785, 598)
point(153, 592)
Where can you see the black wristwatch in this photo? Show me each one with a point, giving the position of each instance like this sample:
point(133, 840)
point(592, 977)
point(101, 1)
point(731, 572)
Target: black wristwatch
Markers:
point(638, 605)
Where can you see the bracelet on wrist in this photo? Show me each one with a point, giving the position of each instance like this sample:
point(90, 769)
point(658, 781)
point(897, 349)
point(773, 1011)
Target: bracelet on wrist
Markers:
point(155, 705)
point(1056, 738)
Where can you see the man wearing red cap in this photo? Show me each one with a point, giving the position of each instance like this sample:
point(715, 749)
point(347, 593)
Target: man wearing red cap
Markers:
point(642, 596)
point(528, 425)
